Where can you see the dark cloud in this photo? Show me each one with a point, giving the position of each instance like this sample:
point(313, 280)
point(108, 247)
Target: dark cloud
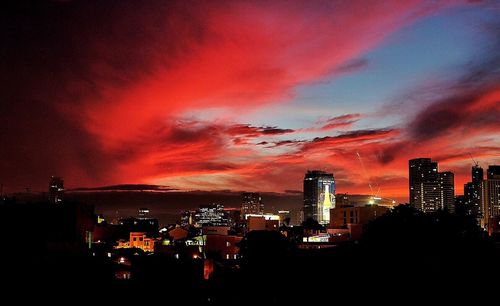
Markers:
point(273, 130)
point(126, 187)
point(248, 130)
point(339, 121)
point(287, 142)
point(469, 106)
point(357, 135)
point(456, 113)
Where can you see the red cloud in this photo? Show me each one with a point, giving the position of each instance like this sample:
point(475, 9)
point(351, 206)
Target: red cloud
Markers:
point(107, 90)
point(236, 55)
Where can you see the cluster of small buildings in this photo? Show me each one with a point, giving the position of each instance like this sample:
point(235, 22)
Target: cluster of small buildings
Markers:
point(213, 231)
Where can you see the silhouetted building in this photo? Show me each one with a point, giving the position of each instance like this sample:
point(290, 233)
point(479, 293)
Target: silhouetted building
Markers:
point(263, 222)
point(430, 190)
point(460, 207)
point(252, 203)
point(341, 200)
point(46, 227)
point(477, 174)
point(319, 196)
point(342, 216)
point(56, 190)
point(222, 247)
point(235, 221)
point(473, 193)
point(447, 189)
point(422, 176)
point(491, 194)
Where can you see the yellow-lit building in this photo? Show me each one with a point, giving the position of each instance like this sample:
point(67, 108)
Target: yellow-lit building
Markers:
point(141, 241)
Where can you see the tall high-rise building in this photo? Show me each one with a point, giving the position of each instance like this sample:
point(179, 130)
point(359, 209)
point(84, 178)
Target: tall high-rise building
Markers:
point(491, 194)
point(473, 193)
point(430, 190)
point(319, 196)
point(252, 203)
point(56, 190)
point(447, 189)
point(477, 174)
point(422, 171)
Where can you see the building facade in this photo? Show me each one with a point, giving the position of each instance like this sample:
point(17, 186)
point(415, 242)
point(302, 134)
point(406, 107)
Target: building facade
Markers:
point(429, 189)
point(473, 193)
point(211, 215)
point(343, 216)
point(251, 203)
point(491, 195)
point(319, 196)
point(447, 190)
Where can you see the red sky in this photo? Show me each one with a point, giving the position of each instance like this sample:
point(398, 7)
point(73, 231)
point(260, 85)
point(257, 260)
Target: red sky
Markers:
point(222, 95)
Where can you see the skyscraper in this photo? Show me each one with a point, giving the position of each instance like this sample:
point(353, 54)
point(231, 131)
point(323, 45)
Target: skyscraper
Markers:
point(252, 203)
point(423, 178)
point(319, 196)
point(477, 174)
point(491, 194)
point(473, 193)
point(430, 190)
point(447, 189)
point(56, 190)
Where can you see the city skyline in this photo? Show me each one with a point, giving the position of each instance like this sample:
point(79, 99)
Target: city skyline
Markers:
point(234, 96)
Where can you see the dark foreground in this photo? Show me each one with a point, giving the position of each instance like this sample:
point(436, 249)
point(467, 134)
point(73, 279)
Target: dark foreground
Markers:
point(402, 257)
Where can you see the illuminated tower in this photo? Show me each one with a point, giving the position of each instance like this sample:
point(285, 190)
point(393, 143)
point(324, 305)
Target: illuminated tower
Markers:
point(56, 190)
point(319, 196)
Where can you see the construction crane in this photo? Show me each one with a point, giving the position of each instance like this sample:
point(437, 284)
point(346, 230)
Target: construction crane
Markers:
point(476, 164)
point(373, 196)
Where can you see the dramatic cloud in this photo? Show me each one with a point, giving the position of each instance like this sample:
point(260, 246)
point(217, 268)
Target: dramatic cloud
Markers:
point(101, 93)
